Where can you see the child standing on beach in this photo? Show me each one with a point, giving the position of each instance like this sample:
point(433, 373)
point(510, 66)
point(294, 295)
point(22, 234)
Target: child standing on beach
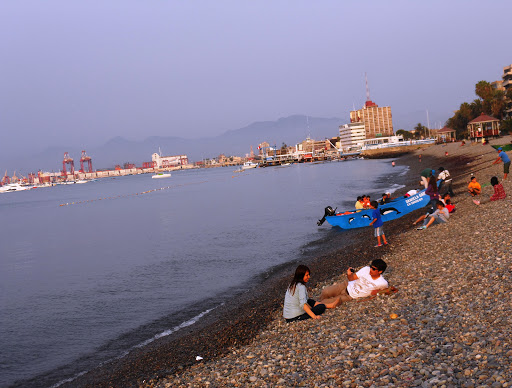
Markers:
point(377, 223)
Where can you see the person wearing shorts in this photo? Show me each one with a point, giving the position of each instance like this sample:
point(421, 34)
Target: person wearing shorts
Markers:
point(503, 157)
point(377, 223)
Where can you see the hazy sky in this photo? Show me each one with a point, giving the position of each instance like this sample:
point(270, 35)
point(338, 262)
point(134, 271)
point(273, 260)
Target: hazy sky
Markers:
point(80, 72)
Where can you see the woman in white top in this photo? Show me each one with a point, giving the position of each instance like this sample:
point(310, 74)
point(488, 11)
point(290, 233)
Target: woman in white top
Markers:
point(297, 306)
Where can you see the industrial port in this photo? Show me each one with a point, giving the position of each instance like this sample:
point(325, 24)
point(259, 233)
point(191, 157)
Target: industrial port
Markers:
point(68, 174)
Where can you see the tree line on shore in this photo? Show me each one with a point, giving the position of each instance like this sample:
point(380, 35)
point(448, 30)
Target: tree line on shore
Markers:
point(491, 101)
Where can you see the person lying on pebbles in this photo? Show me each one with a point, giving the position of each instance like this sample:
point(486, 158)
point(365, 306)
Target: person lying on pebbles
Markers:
point(365, 282)
point(297, 306)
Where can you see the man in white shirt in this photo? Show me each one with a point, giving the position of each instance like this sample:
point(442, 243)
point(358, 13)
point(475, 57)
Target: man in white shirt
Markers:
point(365, 282)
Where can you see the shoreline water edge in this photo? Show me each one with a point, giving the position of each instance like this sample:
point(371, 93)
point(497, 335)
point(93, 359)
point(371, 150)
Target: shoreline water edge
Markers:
point(235, 324)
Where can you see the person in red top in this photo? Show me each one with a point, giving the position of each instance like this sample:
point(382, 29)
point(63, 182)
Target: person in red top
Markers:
point(499, 191)
point(449, 206)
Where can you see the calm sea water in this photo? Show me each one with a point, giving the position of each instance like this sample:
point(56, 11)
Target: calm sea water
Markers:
point(131, 258)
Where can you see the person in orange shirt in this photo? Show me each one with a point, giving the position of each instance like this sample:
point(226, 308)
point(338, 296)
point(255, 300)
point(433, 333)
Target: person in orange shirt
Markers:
point(366, 201)
point(474, 189)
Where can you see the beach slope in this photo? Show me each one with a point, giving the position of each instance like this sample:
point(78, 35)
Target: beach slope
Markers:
point(452, 325)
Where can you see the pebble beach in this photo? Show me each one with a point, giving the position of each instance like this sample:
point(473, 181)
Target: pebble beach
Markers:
point(451, 327)
point(448, 325)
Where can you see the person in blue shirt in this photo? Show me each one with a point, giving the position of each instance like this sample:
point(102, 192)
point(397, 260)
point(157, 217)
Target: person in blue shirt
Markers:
point(377, 223)
point(503, 157)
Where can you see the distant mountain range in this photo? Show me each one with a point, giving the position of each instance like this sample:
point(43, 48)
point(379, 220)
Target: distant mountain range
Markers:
point(289, 130)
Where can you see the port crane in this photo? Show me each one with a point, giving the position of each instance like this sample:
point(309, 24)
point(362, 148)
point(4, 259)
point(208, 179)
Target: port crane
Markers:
point(68, 160)
point(86, 159)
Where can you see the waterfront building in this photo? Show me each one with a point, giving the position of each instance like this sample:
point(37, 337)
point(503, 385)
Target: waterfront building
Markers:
point(315, 146)
point(377, 120)
point(352, 135)
point(388, 141)
point(483, 127)
point(169, 161)
point(444, 134)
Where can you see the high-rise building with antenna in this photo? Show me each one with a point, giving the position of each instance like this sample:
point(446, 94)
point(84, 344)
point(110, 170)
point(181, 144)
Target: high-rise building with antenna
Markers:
point(377, 120)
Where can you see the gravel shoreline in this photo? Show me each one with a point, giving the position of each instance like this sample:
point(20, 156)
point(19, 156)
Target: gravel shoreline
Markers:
point(453, 305)
point(250, 344)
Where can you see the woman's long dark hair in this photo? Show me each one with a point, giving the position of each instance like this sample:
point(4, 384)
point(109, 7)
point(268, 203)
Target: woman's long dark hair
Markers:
point(298, 277)
point(433, 182)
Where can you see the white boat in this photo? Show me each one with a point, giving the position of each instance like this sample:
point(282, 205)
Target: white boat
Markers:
point(161, 175)
point(13, 187)
point(81, 181)
point(248, 165)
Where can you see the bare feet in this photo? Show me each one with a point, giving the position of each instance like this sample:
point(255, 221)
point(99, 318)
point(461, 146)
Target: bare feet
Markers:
point(334, 304)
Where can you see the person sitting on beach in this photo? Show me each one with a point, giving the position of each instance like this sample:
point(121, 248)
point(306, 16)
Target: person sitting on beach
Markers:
point(503, 157)
point(365, 282)
point(446, 199)
point(366, 201)
point(432, 190)
point(474, 189)
point(359, 203)
point(448, 204)
point(422, 218)
point(446, 181)
point(377, 223)
point(425, 176)
point(440, 216)
point(386, 198)
point(410, 193)
point(297, 306)
point(499, 191)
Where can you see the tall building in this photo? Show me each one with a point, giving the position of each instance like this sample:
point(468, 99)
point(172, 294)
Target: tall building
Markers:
point(507, 84)
point(376, 120)
point(352, 135)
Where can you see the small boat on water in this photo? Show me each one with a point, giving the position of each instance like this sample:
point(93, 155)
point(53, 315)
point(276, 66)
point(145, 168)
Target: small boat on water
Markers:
point(161, 175)
point(248, 165)
point(390, 211)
